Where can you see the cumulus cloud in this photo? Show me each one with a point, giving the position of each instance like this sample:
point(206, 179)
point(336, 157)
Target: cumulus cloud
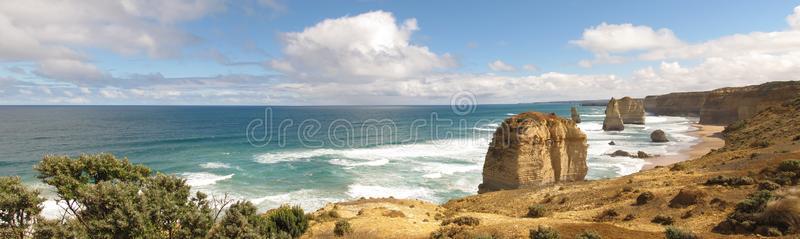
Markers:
point(611, 38)
point(54, 34)
point(530, 67)
point(364, 47)
point(794, 19)
point(499, 65)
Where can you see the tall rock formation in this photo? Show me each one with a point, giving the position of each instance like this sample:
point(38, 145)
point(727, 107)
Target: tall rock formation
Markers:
point(613, 120)
point(631, 110)
point(574, 114)
point(533, 148)
point(726, 105)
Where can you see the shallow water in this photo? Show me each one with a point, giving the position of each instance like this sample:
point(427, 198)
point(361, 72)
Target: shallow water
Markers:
point(326, 154)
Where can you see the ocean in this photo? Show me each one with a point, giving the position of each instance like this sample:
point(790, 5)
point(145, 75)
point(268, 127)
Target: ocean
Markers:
point(308, 155)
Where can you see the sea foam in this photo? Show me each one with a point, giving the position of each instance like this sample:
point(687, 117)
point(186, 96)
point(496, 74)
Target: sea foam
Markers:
point(203, 178)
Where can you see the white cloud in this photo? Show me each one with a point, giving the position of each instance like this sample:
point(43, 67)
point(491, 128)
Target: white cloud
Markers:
point(731, 46)
point(57, 32)
point(69, 70)
point(794, 19)
point(364, 47)
point(499, 65)
point(530, 67)
point(112, 93)
point(612, 38)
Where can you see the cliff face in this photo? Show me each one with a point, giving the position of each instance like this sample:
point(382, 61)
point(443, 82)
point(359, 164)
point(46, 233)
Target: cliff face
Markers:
point(726, 105)
point(631, 110)
point(676, 104)
point(613, 120)
point(533, 148)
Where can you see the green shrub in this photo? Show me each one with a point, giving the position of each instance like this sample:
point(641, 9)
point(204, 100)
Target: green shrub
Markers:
point(241, 221)
point(730, 181)
point(760, 144)
point(790, 166)
point(734, 126)
point(644, 198)
point(607, 215)
point(19, 207)
point(588, 235)
point(66, 229)
point(768, 185)
point(755, 202)
point(675, 233)
point(678, 167)
point(462, 221)
point(342, 228)
point(663, 220)
point(544, 233)
point(536, 211)
point(291, 220)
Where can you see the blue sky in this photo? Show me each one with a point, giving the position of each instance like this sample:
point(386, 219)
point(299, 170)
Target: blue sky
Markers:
point(386, 52)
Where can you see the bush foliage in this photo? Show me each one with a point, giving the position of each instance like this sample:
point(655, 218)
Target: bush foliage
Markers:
point(105, 197)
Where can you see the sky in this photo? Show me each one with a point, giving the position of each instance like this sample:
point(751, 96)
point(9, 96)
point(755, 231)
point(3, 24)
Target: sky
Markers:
point(385, 52)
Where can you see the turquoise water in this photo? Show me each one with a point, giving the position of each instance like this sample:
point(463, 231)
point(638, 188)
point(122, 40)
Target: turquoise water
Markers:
point(314, 155)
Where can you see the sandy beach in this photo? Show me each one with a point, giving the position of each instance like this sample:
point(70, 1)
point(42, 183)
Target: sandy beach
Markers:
point(709, 137)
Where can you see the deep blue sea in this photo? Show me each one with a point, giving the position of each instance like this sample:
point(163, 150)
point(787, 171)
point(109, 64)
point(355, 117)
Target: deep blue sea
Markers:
point(307, 155)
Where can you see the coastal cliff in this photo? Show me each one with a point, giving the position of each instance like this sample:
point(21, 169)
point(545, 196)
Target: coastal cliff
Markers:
point(726, 105)
point(631, 110)
point(533, 148)
point(676, 104)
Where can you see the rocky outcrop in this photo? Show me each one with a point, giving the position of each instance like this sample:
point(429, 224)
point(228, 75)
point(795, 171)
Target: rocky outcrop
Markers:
point(613, 120)
point(531, 149)
point(631, 110)
point(659, 136)
point(726, 105)
point(574, 114)
point(676, 104)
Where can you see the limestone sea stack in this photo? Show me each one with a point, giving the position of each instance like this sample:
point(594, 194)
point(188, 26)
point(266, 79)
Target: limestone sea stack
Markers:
point(575, 116)
point(613, 120)
point(534, 148)
point(631, 110)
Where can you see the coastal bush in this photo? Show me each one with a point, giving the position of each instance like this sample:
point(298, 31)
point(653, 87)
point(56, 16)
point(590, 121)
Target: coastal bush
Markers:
point(115, 198)
point(760, 144)
point(448, 232)
point(629, 217)
point(744, 219)
point(535, 211)
point(607, 215)
point(730, 181)
point(644, 198)
point(687, 197)
point(734, 126)
point(588, 235)
point(677, 167)
point(19, 207)
point(782, 214)
point(543, 232)
point(463, 221)
point(663, 220)
point(342, 228)
point(768, 185)
point(241, 221)
point(676, 233)
point(289, 220)
point(789, 166)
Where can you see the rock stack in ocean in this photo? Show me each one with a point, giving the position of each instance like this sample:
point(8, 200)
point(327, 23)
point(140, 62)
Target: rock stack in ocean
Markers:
point(631, 110)
point(613, 120)
point(574, 114)
point(533, 148)
point(659, 136)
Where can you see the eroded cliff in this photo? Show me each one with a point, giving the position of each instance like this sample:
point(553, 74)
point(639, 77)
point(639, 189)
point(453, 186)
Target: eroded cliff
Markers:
point(631, 110)
point(533, 148)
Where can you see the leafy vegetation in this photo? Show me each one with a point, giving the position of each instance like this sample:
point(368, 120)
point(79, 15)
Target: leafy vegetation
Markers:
point(109, 198)
point(588, 235)
point(535, 211)
point(543, 232)
point(342, 228)
point(676, 233)
point(463, 221)
point(730, 181)
point(645, 197)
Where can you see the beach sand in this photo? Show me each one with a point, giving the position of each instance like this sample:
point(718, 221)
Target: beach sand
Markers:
point(710, 137)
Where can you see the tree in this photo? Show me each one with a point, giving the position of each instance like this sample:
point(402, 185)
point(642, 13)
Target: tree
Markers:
point(113, 198)
point(19, 207)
